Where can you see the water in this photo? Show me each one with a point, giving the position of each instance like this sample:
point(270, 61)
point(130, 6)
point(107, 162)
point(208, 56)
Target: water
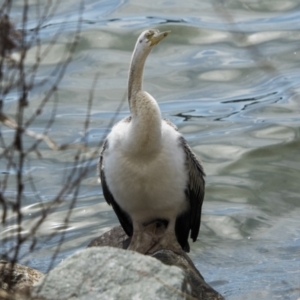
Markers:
point(229, 79)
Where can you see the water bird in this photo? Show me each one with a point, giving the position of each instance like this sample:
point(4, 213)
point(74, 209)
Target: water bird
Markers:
point(147, 170)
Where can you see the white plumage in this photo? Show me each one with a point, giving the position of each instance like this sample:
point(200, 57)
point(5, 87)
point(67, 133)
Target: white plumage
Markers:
point(150, 184)
point(147, 170)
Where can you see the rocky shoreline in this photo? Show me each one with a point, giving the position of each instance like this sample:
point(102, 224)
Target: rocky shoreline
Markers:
point(105, 270)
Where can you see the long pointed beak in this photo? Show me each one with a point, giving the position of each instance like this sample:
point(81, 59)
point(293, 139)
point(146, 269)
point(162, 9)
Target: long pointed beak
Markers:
point(158, 37)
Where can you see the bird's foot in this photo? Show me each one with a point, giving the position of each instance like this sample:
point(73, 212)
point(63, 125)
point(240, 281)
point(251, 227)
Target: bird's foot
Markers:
point(154, 237)
point(166, 242)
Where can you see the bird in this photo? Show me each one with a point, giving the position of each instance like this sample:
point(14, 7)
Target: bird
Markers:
point(147, 170)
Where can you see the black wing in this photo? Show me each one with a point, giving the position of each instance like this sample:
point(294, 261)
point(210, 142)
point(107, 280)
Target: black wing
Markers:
point(195, 189)
point(123, 217)
point(190, 220)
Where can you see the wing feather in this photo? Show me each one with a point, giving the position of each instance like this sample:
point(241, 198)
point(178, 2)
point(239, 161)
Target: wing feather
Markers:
point(195, 188)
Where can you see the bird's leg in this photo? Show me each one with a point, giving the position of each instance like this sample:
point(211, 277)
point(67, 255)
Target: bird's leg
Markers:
point(152, 237)
point(142, 239)
point(167, 240)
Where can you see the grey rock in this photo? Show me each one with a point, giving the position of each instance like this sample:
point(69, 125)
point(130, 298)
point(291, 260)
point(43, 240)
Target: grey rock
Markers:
point(103, 272)
point(200, 290)
point(116, 237)
point(111, 273)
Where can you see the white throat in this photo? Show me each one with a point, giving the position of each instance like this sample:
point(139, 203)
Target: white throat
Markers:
point(145, 136)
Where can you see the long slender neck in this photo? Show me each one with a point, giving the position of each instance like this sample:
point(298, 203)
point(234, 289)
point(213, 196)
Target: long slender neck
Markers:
point(135, 81)
point(145, 127)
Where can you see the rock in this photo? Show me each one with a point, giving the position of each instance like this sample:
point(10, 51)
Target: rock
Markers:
point(17, 280)
point(199, 288)
point(111, 273)
point(102, 272)
point(116, 237)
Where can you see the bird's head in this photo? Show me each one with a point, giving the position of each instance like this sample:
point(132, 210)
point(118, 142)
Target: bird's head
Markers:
point(145, 42)
point(150, 38)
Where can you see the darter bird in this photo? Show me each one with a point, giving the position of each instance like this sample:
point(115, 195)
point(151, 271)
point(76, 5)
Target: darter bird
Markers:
point(147, 170)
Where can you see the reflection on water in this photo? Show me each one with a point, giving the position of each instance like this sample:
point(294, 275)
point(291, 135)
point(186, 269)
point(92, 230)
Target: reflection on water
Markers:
point(237, 105)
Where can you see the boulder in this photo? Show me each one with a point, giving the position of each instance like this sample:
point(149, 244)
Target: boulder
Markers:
point(107, 271)
point(199, 289)
point(111, 273)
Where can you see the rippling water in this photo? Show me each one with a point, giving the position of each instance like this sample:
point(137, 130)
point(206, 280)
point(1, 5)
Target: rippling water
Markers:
point(228, 77)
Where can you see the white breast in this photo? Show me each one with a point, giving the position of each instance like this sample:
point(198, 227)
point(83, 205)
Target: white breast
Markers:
point(147, 186)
